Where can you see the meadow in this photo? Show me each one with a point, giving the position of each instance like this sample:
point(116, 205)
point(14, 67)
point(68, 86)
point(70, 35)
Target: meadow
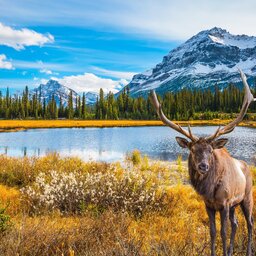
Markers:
point(16, 125)
point(65, 206)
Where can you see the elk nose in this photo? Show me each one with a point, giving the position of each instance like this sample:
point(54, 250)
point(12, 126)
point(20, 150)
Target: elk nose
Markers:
point(203, 167)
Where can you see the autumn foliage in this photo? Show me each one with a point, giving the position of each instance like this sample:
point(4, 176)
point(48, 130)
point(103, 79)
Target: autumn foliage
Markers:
point(64, 206)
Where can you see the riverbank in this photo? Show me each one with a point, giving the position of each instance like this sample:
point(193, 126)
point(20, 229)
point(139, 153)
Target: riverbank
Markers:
point(17, 125)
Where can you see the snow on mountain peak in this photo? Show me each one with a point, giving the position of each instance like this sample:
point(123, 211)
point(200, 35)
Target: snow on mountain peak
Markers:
point(54, 89)
point(216, 39)
point(210, 57)
point(225, 38)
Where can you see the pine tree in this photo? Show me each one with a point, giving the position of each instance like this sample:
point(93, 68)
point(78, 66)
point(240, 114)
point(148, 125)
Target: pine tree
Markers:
point(83, 107)
point(70, 106)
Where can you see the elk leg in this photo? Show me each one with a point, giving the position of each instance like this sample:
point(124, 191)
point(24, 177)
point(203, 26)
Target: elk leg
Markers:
point(234, 225)
point(246, 206)
point(223, 218)
point(211, 213)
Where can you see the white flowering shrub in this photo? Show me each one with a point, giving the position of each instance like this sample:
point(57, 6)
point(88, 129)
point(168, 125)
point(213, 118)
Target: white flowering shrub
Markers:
point(77, 192)
point(54, 191)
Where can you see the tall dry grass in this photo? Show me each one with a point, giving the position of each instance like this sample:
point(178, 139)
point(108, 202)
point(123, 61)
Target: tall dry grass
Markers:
point(178, 226)
point(16, 125)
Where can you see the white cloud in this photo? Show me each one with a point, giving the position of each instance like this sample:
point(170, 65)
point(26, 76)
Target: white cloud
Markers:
point(44, 67)
point(42, 81)
point(113, 73)
point(19, 39)
point(162, 19)
point(4, 64)
point(46, 71)
point(92, 83)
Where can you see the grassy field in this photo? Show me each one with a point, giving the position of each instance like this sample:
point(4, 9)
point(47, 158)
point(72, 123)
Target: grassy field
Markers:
point(64, 206)
point(15, 125)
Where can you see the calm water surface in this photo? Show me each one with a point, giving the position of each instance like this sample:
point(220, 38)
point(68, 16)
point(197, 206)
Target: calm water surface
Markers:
point(111, 144)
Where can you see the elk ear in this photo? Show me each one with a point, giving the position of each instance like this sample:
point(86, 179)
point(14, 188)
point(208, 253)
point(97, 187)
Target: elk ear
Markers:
point(182, 142)
point(220, 143)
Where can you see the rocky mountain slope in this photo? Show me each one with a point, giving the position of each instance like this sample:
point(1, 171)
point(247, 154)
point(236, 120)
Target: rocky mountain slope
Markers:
point(57, 90)
point(211, 57)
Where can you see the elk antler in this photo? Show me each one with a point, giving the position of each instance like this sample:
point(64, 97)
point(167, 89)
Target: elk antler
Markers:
point(248, 98)
point(169, 123)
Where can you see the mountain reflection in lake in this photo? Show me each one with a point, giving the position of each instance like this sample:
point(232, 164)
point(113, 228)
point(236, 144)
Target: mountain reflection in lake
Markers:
point(112, 144)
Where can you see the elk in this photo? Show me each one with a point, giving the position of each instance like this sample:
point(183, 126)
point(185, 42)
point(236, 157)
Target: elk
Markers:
point(223, 181)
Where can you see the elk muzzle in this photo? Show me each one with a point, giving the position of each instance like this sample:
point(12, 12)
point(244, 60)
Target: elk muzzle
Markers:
point(203, 167)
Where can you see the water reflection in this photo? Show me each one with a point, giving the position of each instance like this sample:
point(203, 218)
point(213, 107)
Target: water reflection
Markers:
point(111, 144)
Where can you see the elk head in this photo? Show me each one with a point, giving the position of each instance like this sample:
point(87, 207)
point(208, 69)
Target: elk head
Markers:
point(201, 152)
point(201, 149)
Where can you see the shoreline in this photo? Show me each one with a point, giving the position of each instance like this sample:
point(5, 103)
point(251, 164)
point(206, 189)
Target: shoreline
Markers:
point(19, 125)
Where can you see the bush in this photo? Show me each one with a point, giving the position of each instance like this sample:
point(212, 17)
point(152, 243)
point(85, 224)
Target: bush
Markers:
point(123, 209)
point(20, 172)
point(78, 192)
point(10, 197)
point(105, 235)
point(5, 219)
point(134, 157)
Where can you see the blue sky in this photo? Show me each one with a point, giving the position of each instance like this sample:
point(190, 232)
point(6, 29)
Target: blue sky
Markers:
point(91, 44)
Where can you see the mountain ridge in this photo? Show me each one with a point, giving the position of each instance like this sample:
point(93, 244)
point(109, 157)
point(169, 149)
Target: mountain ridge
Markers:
point(55, 89)
point(208, 58)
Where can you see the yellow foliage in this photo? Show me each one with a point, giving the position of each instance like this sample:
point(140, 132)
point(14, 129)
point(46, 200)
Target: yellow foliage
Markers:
point(183, 224)
point(10, 197)
point(179, 228)
point(134, 157)
point(23, 171)
point(15, 125)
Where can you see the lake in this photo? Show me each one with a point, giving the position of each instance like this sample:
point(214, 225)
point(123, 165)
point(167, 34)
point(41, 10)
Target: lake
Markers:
point(112, 144)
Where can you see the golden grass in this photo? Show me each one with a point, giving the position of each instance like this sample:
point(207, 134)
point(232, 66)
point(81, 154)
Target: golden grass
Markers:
point(16, 125)
point(181, 229)
point(26, 124)
point(10, 198)
point(19, 172)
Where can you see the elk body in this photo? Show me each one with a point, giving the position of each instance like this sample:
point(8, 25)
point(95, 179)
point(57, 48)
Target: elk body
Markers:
point(223, 181)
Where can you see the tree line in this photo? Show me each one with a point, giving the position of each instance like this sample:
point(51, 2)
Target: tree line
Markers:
point(183, 105)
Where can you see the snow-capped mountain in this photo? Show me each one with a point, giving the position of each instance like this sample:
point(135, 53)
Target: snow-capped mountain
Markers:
point(54, 89)
point(91, 97)
point(59, 91)
point(211, 57)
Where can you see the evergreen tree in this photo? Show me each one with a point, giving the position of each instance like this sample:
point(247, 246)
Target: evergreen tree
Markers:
point(83, 107)
point(185, 104)
point(70, 106)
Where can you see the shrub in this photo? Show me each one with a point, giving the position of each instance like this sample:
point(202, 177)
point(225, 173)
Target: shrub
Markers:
point(179, 163)
point(5, 219)
point(105, 235)
point(20, 172)
point(135, 157)
point(16, 172)
point(123, 209)
point(77, 192)
point(10, 197)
